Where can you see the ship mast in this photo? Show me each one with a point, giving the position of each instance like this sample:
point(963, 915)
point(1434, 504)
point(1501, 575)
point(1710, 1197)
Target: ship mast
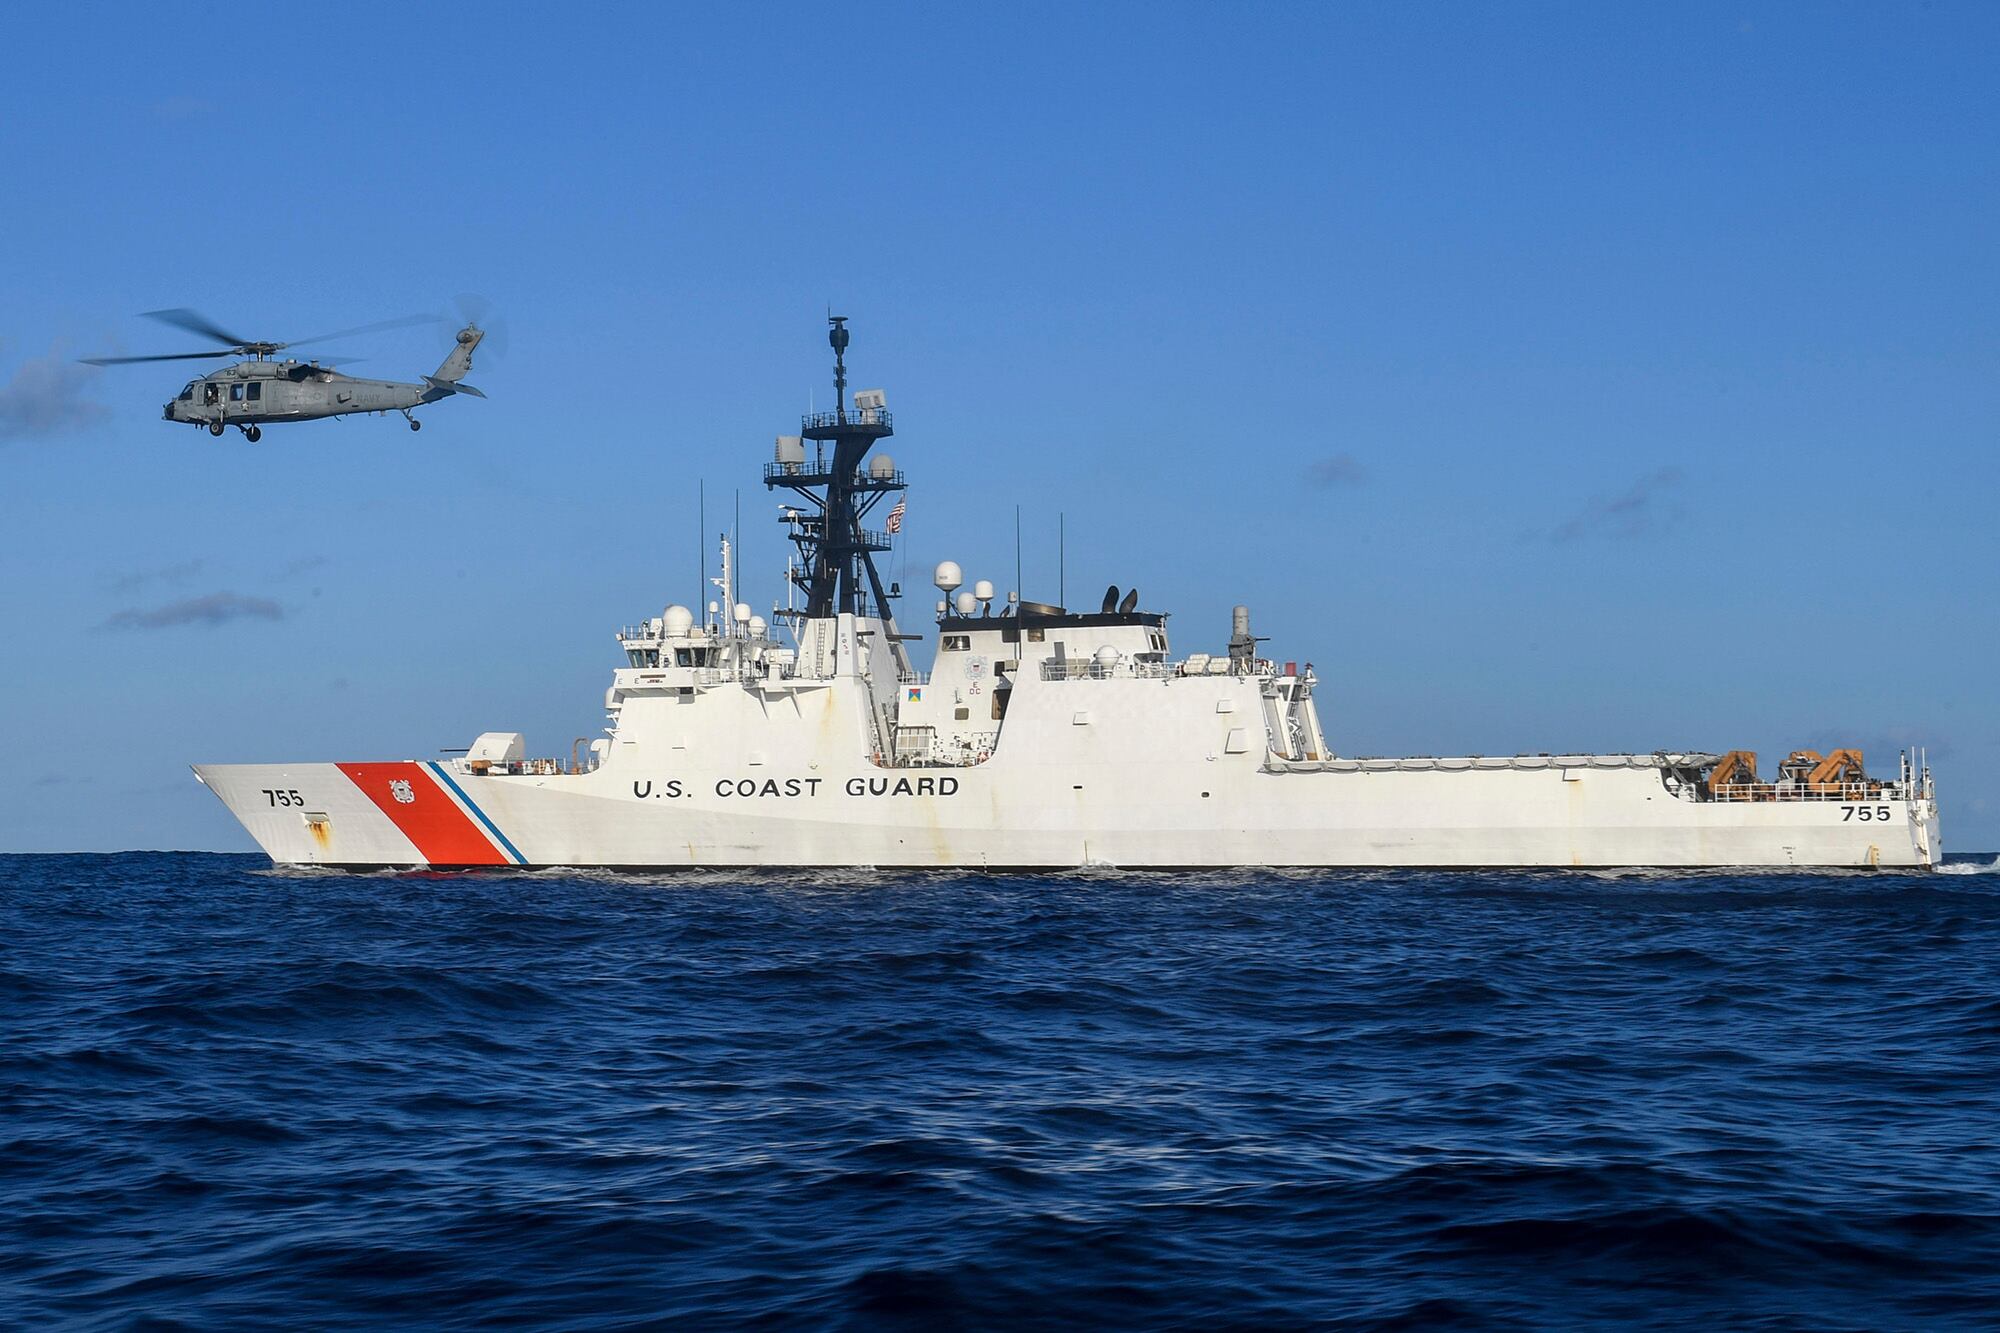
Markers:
point(837, 568)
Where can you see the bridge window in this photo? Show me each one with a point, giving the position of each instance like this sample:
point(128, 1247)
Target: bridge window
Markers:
point(956, 643)
point(1036, 634)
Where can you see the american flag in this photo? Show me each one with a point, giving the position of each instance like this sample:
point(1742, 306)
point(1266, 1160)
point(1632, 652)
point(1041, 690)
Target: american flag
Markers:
point(894, 523)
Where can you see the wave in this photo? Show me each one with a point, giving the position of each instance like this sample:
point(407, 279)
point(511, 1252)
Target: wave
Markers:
point(1380, 1100)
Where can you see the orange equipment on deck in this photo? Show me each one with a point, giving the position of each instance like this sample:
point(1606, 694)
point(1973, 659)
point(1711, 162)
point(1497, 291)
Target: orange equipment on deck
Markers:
point(1838, 774)
point(1799, 765)
point(1840, 769)
point(1738, 768)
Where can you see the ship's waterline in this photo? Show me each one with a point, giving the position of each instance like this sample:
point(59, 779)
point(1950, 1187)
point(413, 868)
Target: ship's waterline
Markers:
point(1040, 737)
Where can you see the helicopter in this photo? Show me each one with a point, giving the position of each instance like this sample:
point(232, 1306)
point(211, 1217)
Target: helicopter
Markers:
point(262, 391)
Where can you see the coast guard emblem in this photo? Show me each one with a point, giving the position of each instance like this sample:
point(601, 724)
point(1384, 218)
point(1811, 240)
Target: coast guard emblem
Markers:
point(401, 790)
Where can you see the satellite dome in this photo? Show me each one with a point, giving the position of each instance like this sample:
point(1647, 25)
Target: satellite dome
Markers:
point(948, 577)
point(967, 603)
point(677, 621)
point(882, 467)
point(1107, 655)
point(741, 611)
point(757, 627)
point(983, 590)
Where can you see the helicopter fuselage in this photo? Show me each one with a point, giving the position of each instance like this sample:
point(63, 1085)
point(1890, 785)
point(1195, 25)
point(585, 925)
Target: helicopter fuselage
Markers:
point(259, 392)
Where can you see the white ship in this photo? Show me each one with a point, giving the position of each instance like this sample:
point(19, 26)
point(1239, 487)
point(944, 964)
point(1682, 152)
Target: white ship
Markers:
point(1040, 738)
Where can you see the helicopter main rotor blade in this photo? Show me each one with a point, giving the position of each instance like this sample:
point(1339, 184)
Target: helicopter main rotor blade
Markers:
point(196, 322)
point(407, 321)
point(171, 356)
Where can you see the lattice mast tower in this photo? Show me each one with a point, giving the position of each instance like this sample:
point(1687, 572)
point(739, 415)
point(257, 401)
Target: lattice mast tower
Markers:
point(836, 568)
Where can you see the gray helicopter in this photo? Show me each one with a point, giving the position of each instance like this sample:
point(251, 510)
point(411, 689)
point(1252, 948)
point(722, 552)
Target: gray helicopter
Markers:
point(262, 391)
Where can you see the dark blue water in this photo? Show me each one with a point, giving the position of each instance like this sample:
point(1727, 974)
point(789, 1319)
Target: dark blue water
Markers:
point(235, 1097)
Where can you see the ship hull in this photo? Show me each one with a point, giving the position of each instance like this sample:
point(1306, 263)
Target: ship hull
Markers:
point(1001, 816)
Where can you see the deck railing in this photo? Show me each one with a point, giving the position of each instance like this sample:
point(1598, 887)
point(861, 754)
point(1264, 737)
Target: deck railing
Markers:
point(1089, 668)
point(871, 417)
point(815, 473)
point(1852, 793)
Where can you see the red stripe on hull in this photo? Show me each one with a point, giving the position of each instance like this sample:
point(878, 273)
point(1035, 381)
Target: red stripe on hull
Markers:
point(429, 817)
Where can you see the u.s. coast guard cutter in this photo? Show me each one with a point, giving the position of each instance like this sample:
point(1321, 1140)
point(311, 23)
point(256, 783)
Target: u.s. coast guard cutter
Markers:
point(1040, 737)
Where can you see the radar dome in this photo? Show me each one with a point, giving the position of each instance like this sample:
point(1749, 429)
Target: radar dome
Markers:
point(677, 621)
point(882, 467)
point(1107, 655)
point(948, 577)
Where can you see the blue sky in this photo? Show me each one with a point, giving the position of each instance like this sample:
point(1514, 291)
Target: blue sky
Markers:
point(1552, 376)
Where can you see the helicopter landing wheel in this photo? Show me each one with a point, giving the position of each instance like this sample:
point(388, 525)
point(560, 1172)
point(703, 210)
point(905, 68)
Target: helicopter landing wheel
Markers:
point(253, 433)
point(215, 428)
point(416, 424)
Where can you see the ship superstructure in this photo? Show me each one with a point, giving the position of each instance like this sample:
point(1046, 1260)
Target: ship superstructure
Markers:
point(1039, 737)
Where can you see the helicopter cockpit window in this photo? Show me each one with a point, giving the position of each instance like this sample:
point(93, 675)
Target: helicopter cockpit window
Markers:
point(187, 394)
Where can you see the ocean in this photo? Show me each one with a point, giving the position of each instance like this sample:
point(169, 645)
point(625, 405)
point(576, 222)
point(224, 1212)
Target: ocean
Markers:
point(237, 1097)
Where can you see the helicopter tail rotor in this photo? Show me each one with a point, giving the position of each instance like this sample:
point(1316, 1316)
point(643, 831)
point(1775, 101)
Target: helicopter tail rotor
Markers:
point(478, 312)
